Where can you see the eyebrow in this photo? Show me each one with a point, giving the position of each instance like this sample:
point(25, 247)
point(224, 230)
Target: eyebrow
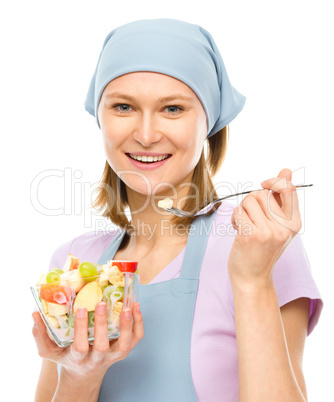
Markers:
point(160, 100)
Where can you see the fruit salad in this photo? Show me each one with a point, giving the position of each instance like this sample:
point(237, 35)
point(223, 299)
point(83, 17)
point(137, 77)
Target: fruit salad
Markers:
point(61, 292)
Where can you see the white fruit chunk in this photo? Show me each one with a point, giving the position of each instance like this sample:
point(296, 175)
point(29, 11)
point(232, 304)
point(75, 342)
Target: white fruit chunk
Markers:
point(57, 309)
point(52, 321)
point(76, 281)
point(115, 312)
point(72, 279)
point(116, 276)
point(165, 203)
point(104, 276)
point(88, 297)
point(44, 306)
point(103, 280)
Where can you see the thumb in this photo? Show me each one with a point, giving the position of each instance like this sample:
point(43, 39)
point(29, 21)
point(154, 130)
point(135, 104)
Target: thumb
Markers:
point(43, 342)
point(286, 173)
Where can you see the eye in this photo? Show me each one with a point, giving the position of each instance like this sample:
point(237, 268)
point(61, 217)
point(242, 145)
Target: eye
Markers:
point(122, 107)
point(173, 109)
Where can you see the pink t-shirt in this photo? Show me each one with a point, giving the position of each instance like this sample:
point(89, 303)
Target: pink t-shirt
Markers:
point(214, 360)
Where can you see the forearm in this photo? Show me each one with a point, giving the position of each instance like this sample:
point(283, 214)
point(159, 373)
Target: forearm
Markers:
point(265, 371)
point(71, 388)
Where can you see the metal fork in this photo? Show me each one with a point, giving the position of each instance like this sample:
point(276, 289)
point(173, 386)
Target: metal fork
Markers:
point(206, 209)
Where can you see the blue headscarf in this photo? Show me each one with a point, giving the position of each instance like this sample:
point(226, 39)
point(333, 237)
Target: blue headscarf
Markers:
point(176, 48)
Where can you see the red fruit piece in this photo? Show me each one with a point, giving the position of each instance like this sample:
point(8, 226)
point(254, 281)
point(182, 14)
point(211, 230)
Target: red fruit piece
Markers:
point(55, 293)
point(125, 266)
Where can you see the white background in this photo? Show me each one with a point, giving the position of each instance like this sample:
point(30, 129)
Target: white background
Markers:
point(279, 55)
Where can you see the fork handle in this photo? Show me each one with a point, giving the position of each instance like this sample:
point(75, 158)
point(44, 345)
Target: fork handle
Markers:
point(250, 191)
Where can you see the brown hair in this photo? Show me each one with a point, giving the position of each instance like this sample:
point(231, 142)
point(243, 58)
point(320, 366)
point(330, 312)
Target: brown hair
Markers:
point(205, 169)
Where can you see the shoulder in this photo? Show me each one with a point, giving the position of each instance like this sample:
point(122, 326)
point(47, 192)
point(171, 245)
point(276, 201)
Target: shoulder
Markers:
point(88, 246)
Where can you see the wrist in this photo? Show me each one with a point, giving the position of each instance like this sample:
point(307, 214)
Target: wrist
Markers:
point(251, 285)
point(76, 378)
point(80, 386)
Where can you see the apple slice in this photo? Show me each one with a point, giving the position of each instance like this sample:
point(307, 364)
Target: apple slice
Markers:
point(88, 297)
point(71, 263)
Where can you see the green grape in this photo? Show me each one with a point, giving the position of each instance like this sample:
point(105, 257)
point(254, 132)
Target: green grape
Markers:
point(88, 271)
point(52, 277)
point(112, 291)
point(91, 318)
point(59, 271)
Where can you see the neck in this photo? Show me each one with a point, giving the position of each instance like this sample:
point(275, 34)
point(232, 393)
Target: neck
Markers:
point(152, 227)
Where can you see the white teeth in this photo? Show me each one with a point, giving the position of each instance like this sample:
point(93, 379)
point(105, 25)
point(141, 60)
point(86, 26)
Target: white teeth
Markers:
point(145, 158)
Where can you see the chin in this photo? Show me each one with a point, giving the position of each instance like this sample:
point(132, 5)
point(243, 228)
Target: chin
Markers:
point(147, 188)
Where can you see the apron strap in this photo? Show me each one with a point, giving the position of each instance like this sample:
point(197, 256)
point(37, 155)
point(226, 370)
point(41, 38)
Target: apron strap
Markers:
point(196, 246)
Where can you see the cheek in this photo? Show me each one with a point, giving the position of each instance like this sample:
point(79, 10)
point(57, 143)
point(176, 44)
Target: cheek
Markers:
point(111, 144)
point(108, 142)
point(193, 145)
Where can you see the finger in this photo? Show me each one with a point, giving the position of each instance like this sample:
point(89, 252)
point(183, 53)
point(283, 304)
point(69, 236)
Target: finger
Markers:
point(241, 221)
point(255, 211)
point(138, 325)
point(80, 343)
point(284, 173)
point(287, 195)
point(287, 173)
point(268, 203)
point(44, 344)
point(124, 341)
point(101, 340)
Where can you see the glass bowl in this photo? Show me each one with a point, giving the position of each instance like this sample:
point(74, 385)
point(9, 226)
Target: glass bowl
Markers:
point(58, 302)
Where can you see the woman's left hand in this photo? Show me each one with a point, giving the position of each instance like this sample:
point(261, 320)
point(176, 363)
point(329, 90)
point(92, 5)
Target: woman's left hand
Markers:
point(265, 223)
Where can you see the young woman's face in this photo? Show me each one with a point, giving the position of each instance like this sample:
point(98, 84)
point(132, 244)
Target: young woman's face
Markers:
point(152, 114)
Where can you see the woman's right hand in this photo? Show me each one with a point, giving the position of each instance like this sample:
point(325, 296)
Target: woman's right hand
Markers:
point(82, 360)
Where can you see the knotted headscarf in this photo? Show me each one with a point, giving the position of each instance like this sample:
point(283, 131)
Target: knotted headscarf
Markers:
point(176, 48)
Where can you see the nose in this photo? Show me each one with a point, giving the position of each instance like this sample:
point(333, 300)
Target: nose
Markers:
point(147, 131)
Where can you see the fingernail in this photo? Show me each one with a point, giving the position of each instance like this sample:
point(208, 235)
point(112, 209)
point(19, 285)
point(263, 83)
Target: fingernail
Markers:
point(101, 308)
point(127, 314)
point(263, 183)
point(138, 307)
point(81, 312)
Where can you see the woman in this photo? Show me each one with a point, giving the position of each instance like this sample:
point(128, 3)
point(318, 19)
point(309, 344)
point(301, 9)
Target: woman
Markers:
point(226, 299)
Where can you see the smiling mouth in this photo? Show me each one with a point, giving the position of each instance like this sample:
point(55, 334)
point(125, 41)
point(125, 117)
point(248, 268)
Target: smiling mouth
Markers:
point(148, 159)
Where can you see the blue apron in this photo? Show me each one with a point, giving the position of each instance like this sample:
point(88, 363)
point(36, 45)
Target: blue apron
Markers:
point(158, 368)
